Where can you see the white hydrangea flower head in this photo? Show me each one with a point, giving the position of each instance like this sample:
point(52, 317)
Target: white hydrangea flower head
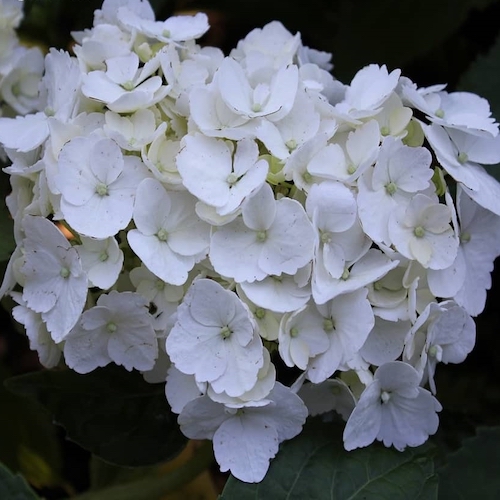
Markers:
point(217, 221)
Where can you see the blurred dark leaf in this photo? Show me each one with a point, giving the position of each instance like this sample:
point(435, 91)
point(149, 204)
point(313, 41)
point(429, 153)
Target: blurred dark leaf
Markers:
point(14, 487)
point(472, 471)
point(357, 32)
point(110, 412)
point(483, 78)
point(29, 443)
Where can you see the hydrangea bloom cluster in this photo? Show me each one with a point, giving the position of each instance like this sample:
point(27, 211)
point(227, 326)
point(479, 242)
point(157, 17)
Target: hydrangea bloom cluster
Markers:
point(229, 215)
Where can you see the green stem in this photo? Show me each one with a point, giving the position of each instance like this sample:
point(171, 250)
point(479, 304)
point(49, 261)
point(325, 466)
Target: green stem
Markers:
point(153, 488)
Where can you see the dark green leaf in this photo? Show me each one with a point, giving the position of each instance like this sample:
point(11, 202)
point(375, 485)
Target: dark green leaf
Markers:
point(29, 443)
point(395, 33)
point(112, 413)
point(472, 471)
point(14, 486)
point(315, 466)
point(483, 78)
point(357, 32)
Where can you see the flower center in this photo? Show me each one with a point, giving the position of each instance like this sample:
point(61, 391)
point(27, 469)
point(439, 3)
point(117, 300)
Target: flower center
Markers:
point(101, 189)
point(419, 232)
point(328, 325)
point(463, 158)
point(391, 188)
point(351, 168)
point(436, 351)
point(111, 327)
point(439, 113)
point(294, 332)
point(326, 237)
point(345, 274)
point(232, 179)
point(162, 234)
point(64, 272)
point(103, 257)
point(385, 397)
point(260, 313)
point(465, 237)
point(128, 85)
point(225, 332)
point(307, 177)
point(261, 236)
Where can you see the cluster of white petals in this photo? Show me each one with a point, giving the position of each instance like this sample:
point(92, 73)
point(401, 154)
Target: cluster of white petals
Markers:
point(21, 67)
point(206, 219)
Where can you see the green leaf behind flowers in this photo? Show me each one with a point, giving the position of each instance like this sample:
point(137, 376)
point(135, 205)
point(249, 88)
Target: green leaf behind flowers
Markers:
point(315, 465)
point(114, 414)
point(14, 486)
point(472, 471)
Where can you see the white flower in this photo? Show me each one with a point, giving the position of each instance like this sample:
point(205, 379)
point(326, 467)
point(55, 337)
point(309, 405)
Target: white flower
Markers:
point(98, 185)
point(273, 99)
point(479, 246)
point(302, 336)
point(399, 173)
point(271, 237)
point(163, 297)
point(245, 439)
point(170, 238)
point(55, 284)
point(174, 29)
point(49, 353)
point(393, 409)
point(368, 90)
point(347, 320)
point(124, 87)
point(117, 329)
point(461, 154)
point(280, 294)
point(332, 394)
point(215, 339)
point(422, 232)
point(211, 173)
point(458, 110)
point(102, 261)
point(445, 333)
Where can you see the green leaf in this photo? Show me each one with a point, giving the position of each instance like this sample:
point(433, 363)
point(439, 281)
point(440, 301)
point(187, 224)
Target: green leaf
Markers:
point(29, 443)
point(114, 414)
point(14, 486)
point(483, 78)
point(315, 465)
point(357, 32)
point(472, 471)
point(395, 33)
